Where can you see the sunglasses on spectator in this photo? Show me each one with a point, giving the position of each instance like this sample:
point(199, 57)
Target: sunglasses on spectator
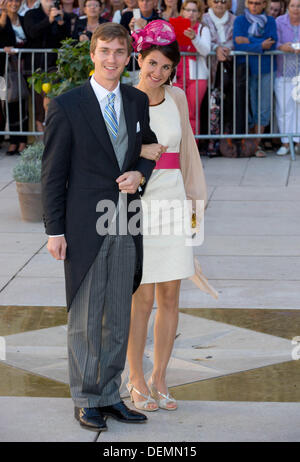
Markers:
point(220, 1)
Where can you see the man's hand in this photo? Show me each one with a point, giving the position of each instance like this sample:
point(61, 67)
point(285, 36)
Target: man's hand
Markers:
point(57, 246)
point(129, 182)
point(266, 44)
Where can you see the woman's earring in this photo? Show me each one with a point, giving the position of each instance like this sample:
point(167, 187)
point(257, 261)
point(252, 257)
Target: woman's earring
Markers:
point(140, 75)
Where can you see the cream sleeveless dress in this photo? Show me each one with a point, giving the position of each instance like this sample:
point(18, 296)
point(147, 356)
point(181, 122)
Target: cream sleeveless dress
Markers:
point(166, 255)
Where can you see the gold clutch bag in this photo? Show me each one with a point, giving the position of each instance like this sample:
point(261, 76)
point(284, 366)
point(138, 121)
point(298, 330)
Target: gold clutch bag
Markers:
point(194, 222)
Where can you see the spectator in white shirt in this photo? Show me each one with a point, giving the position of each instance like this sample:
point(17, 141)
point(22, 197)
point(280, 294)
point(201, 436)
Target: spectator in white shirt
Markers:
point(195, 68)
point(28, 5)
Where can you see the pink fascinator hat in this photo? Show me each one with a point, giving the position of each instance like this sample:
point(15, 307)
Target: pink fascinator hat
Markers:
point(157, 32)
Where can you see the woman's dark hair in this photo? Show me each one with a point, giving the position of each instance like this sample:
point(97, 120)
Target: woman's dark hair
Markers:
point(170, 51)
point(163, 5)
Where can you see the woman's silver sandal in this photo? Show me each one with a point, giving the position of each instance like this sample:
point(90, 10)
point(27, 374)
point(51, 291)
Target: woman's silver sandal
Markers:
point(142, 405)
point(162, 399)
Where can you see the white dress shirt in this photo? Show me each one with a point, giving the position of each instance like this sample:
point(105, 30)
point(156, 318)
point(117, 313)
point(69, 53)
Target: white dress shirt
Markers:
point(202, 43)
point(101, 95)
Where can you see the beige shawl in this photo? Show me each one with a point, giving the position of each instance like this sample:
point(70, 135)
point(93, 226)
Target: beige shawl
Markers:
point(192, 173)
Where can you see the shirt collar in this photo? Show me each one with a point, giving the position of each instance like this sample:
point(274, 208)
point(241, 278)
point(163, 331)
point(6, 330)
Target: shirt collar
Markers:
point(102, 92)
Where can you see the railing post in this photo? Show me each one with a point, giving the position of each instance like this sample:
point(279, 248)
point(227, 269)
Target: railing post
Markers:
point(222, 98)
point(19, 90)
point(247, 95)
point(292, 149)
point(259, 94)
point(208, 96)
point(33, 95)
point(197, 98)
point(6, 91)
point(234, 95)
point(272, 93)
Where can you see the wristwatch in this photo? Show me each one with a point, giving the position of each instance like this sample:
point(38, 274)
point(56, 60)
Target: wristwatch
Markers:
point(143, 181)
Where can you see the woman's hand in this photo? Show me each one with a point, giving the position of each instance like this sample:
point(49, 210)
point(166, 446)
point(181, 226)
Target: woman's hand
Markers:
point(9, 50)
point(153, 151)
point(266, 44)
point(240, 40)
point(83, 38)
point(190, 33)
point(137, 24)
point(3, 13)
point(287, 48)
point(222, 53)
point(56, 12)
point(3, 6)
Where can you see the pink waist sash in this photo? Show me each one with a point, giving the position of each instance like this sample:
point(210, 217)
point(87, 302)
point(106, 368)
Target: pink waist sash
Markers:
point(168, 160)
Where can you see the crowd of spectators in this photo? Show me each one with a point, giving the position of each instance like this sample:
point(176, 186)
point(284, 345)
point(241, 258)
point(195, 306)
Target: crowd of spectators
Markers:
point(218, 25)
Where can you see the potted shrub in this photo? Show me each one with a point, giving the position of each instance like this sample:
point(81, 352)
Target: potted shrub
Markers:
point(27, 174)
point(73, 67)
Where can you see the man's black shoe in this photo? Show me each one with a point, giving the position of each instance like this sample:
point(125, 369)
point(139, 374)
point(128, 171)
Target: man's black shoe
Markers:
point(122, 413)
point(91, 418)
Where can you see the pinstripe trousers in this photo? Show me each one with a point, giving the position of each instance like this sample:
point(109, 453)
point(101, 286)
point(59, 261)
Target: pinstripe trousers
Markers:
point(98, 325)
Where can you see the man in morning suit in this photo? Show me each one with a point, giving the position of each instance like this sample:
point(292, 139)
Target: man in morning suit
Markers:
point(92, 151)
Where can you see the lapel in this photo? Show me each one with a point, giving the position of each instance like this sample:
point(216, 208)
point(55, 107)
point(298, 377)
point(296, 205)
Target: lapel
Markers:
point(93, 115)
point(131, 120)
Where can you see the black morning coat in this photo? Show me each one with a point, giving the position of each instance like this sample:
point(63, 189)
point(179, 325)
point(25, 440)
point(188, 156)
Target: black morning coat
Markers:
point(79, 169)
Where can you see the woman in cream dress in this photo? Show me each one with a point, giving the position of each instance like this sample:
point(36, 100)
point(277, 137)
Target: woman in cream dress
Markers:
point(166, 257)
point(178, 176)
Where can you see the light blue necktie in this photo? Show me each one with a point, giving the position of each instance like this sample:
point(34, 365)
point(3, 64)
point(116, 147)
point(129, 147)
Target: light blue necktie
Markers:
point(110, 115)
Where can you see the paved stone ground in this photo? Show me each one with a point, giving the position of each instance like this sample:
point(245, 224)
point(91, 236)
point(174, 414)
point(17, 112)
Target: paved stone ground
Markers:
point(251, 255)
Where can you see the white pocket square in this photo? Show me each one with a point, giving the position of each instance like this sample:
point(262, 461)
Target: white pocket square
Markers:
point(138, 128)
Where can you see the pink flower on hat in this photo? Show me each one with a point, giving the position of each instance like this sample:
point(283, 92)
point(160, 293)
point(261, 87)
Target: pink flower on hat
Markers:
point(157, 32)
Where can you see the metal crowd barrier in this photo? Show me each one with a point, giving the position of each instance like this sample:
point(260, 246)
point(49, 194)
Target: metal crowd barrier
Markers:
point(234, 135)
point(20, 53)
